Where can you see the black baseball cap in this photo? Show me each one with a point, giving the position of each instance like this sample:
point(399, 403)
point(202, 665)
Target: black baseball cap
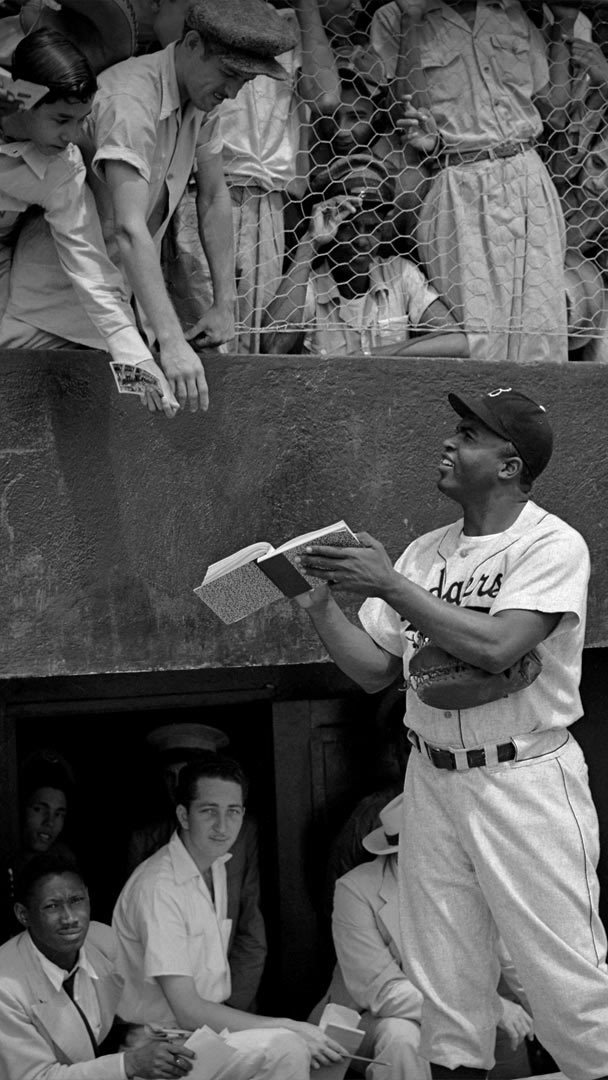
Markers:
point(516, 418)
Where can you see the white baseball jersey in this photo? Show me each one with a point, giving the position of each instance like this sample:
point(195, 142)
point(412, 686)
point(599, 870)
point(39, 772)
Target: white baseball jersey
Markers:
point(539, 564)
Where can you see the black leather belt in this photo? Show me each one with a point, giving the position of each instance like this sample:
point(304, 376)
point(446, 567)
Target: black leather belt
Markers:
point(468, 157)
point(446, 759)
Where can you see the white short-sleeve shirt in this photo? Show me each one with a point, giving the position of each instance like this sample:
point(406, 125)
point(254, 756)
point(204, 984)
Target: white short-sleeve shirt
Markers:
point(137, 119)
point(539, 564)
point(167, 923)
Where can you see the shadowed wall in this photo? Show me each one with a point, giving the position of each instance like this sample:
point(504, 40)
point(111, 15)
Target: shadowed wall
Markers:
point(109, 516)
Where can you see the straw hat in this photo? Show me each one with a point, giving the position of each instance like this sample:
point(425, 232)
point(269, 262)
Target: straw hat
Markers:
point(104, 30)
point(385, 840)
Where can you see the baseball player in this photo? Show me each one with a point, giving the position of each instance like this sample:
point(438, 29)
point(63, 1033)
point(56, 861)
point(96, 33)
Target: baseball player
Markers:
point(499, 833)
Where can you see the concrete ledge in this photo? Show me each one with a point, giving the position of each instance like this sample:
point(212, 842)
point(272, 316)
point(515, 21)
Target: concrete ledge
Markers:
point(109, 516)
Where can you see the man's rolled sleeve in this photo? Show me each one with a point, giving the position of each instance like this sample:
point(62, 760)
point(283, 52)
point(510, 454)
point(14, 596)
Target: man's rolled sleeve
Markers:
point(164, 935)
point(209, 141)
point(123, 129)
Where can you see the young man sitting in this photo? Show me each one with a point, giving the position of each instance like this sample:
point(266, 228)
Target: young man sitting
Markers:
point(172, 926)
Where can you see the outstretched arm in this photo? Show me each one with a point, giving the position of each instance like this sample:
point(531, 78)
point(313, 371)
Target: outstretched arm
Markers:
point(214, 210)
point(319, 85)
point(182, 366)
point(349, 646)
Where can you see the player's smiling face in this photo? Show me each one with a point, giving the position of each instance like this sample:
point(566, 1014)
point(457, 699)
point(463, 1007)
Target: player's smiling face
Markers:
point(471, 461)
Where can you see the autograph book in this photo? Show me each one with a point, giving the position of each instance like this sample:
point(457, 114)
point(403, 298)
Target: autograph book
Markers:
point(260, 574)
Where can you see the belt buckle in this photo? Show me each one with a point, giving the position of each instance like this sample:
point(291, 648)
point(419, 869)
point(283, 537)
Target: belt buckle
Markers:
point(441, 758)
point(509, 149)
point(476, 758)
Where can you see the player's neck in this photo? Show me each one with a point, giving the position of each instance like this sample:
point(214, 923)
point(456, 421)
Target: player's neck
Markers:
point(490, 517)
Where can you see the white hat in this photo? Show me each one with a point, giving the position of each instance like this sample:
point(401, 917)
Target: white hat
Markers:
point(187, 737)
point(385, 840)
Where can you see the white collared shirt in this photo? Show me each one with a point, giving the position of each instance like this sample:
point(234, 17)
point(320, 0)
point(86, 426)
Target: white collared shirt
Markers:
point(167, 923)
point(137, 118)
point(57, 183)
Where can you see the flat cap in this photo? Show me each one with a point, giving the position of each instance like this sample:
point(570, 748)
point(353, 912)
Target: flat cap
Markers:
point(186, 737)
point(251, 31)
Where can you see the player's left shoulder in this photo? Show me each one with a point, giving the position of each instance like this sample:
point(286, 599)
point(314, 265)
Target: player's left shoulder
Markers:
point(548, 526)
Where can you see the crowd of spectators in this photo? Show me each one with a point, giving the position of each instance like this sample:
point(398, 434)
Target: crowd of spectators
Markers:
point(186, 949)
point(418, 177)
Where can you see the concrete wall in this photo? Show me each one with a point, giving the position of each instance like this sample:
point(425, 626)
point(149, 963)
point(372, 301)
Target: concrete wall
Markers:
point(109, 516)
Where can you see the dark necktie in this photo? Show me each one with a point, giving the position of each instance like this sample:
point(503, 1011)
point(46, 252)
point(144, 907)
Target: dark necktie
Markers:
point(68, 986)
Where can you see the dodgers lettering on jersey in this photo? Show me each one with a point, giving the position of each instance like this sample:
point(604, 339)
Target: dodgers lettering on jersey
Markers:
point(539, 564)
point(461, 590)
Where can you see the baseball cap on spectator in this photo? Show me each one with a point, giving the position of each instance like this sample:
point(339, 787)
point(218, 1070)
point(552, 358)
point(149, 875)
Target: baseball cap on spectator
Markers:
point(252, 33)
point(105, 28)
point(385, 840)
point(516, 418)
point(358, 174)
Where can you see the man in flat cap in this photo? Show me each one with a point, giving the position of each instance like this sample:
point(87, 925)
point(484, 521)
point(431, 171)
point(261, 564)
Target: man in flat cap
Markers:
point(264, 152)
point(174, 746)
point(340, 295)
point(149, 128)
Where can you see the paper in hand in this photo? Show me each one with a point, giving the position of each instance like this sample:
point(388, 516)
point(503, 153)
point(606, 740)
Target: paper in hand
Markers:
point(27, 93)
point(134, 379)
point(213, 1054)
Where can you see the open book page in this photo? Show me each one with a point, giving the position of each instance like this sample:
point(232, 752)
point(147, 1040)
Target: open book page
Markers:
point(238, 558)
point(238, 593)
point(340, 1023)
point(336, 535)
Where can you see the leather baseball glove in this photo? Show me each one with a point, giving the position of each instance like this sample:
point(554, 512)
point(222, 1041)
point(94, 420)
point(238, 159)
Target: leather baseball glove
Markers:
point(445, 682)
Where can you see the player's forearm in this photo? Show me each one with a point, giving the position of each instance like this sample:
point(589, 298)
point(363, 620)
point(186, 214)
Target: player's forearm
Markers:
point(470, 635)
point(350, 648)
point(217, 237)
point(143, 271)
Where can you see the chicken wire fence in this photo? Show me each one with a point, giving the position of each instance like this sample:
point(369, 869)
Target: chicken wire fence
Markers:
point(503, 212)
